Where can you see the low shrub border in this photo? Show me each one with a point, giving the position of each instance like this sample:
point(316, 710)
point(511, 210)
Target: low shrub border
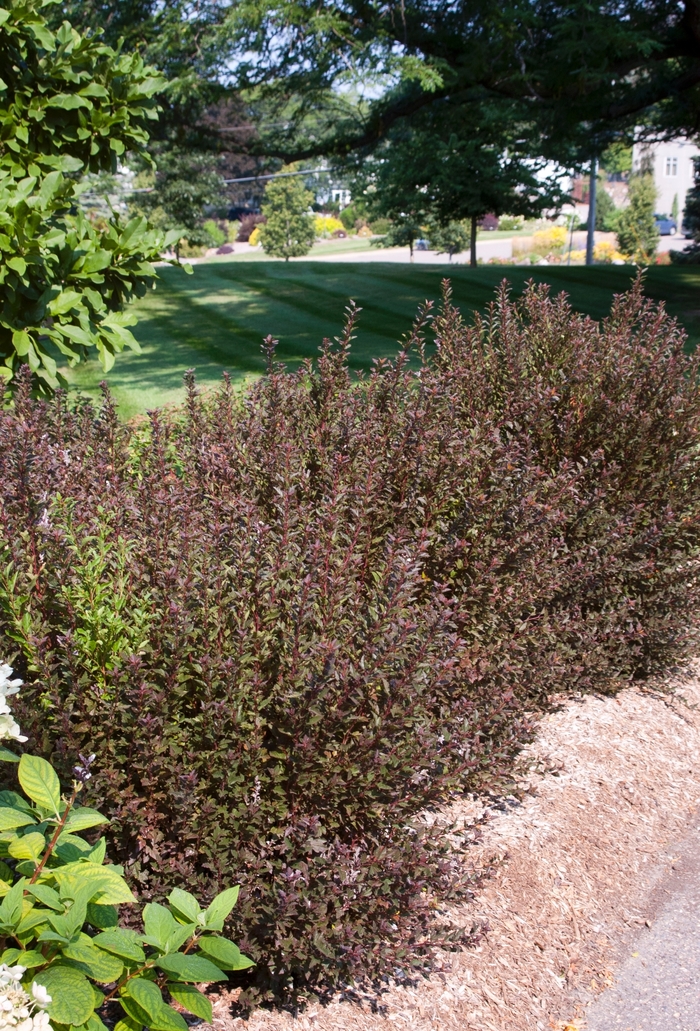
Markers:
point(59, 919)
point(290, 621)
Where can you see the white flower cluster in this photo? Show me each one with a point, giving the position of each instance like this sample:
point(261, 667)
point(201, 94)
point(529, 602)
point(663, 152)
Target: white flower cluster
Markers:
point(20, 1011)
point(8, 726)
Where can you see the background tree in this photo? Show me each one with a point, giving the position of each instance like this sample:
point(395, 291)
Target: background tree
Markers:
point(617, 158)
point(584, 72)
point(69, 105)
point(183, 186)
point(606, 212)
point(289, 231)
point(448, 166)
point(450, 239)
point(203, 119)
point(637, 232)
point(404, 230)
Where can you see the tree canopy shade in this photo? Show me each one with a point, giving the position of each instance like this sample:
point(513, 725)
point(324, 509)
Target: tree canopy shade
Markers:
point(68, 105)
point(584, 71)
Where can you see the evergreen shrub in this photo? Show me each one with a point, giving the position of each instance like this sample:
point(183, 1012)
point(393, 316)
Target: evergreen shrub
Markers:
point(292, 620)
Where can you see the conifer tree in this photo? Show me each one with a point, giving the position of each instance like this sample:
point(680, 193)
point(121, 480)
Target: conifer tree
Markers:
point(289, 230)
point(637, 232)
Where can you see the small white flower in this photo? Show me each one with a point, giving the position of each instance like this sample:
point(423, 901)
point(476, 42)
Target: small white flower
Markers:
point(8, 726)
point(10, 975)
point(41, 996)
point(8, 686)
point(17, 1007)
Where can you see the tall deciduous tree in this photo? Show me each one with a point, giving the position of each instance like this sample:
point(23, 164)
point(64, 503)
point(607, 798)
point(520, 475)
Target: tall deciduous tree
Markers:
point(449, 167)
point(289, 230)
point(68, 105)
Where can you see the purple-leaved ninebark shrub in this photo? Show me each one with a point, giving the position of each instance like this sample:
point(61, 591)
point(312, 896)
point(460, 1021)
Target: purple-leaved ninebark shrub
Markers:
point(291, 620)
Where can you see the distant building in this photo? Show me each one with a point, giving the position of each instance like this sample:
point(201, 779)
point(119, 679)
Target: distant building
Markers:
point(341, 197)
point(672, 165)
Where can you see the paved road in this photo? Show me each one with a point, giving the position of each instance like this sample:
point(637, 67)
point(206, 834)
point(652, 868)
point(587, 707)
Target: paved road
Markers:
point(658, 985)
point(485, 249)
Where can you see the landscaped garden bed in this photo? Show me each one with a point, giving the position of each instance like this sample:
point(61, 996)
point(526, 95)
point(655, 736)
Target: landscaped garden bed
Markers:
point(577, 875)
point(289, 622)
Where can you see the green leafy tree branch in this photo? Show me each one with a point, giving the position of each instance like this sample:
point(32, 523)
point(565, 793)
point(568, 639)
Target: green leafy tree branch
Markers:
point(69, 105)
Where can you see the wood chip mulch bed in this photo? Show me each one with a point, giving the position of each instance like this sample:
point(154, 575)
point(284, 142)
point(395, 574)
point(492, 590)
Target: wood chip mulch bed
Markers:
point(615, 783)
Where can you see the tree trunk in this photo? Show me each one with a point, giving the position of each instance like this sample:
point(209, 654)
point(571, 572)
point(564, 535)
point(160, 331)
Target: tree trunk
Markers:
point(472, 244)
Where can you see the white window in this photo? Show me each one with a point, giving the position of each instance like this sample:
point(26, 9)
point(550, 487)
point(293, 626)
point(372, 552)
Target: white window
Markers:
point(671, 166)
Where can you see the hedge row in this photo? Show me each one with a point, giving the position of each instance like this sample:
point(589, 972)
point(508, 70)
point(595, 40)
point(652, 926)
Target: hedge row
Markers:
point(290, 621)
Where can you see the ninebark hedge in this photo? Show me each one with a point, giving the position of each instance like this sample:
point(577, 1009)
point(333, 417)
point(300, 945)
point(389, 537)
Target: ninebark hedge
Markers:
point(290, 620)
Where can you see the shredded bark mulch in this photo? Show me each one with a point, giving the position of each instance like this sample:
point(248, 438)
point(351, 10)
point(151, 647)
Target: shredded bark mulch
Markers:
point(614, 783)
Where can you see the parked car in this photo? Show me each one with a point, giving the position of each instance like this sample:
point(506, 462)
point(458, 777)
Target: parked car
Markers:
point(666, 226)
point(421, 245)
point(686, 231)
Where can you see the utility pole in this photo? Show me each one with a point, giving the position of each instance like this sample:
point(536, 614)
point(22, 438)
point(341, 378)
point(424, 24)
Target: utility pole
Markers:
point(590, 238)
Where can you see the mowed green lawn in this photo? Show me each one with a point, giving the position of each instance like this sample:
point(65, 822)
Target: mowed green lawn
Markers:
point(215, 319)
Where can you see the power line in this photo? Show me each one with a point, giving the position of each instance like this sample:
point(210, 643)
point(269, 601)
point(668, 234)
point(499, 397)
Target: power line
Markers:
point(277, 175)
point(252, 178)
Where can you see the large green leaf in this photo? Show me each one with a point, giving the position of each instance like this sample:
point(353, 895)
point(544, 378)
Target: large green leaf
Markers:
point(122, 943)
point(225, 953)
point(100, 966)
point(11, 906)
point(12, 800)
point(185, 904)
point(192, 999)
point(159, 923)
point(81, 819)
point(147, 996)
point(107, 886)
point(72, 998)
point(40, 782)
point(29, 846)
point(220, 908)
point(103, 917)
point(190, 968)
point(27, 958)
point(46, 895)
point(136, 1015)
point(32, 919)
point(11, 819)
